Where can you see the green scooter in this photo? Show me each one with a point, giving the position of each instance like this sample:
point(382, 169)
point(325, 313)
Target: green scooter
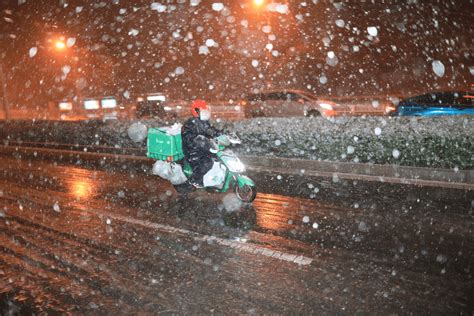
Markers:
point(226, 173)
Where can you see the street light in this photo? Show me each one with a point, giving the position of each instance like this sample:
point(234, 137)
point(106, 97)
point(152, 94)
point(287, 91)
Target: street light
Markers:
point(59, 45)
point(258, 3)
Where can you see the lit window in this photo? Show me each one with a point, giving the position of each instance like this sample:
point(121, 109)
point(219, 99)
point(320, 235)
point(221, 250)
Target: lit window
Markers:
point(65, 106)
point(91, 104)
point(156, 98)
point(108, 103)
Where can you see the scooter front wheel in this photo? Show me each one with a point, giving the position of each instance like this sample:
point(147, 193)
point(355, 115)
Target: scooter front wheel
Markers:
point(246, 193)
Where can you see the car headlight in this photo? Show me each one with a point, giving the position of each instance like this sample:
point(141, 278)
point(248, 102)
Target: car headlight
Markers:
point(390, 108)
point(326, 106)
point(236, 166)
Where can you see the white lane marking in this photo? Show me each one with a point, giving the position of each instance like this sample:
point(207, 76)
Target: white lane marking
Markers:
point(237, 245)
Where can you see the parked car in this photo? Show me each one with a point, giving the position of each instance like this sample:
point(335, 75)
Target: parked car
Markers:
point(147, 108)
point(287, 103)
point(437, 103)
point(153, 105)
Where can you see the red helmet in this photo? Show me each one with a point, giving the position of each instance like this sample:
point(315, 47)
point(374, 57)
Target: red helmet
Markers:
point(198, 104)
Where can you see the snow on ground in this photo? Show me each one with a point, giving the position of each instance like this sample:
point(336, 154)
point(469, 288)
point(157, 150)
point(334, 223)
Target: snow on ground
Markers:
point(438, 142)
point(446, 142)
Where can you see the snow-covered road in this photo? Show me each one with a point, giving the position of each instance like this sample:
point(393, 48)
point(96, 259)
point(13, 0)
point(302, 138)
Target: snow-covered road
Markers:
point(110, 239)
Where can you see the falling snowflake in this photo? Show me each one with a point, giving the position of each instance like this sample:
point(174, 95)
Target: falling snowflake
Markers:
point(179, 71)
point(71, 41)
point(158, 7)
point(373, 31)
point(133, 32)
point(396, 153)
point(203, 50)
point(33, 51)
point(438, 68)
point(66, 69)
point(56, 207)
point(210, 43)
point(332, 59)
point(217, 6)
point(441, 258)
point(279, 8)
point(137, 132)
point(340, 23)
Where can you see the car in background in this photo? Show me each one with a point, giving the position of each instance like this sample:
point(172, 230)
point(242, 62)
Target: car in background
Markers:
point(153, 109)
point(436, 103)
point(288, 103)
point(153, 105)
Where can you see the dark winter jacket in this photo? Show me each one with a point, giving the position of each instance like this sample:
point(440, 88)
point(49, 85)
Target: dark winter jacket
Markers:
point(196, 135)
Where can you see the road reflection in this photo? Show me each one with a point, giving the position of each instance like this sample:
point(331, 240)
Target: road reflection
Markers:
point(280, 213)
point(82, 183)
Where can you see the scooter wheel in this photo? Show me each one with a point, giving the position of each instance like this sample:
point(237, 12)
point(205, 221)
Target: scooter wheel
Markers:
point(246, 193)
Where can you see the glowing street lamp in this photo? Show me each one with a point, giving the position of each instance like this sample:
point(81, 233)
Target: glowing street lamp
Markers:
point(59, 45)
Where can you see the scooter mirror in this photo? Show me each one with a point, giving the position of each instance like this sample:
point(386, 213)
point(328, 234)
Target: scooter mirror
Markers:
point(235, 141)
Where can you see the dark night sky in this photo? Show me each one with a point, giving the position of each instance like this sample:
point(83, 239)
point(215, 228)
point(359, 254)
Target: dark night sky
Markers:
point(129, 47)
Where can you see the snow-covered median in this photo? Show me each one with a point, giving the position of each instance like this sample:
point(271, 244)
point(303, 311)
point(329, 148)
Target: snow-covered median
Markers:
point(446, 142)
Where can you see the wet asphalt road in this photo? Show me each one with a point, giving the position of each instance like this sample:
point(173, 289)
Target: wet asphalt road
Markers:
point(109, 239)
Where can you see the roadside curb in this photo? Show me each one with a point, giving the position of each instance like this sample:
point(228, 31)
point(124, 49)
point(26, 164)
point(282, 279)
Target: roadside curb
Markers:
point(446, 178)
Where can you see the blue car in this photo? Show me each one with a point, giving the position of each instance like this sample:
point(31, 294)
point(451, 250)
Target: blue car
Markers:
point(437, 103)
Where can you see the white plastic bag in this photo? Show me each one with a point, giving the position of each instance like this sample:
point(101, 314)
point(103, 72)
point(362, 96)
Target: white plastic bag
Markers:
point(175, 129)
point(177, 174)
point(214, 177)
point(162, 169)
point(169, 171)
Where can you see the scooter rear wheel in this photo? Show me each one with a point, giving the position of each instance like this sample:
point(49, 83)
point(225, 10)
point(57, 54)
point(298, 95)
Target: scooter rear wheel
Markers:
point(246, 193)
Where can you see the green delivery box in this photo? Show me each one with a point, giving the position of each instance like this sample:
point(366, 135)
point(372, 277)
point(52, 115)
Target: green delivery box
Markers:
point(164, 143)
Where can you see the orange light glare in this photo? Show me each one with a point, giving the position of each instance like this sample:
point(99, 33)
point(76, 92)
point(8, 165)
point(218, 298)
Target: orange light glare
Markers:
point(59, 45)
point(258, 2)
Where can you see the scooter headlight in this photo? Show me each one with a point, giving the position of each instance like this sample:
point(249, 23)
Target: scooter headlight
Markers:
point(236, 166)
point(326, 106)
